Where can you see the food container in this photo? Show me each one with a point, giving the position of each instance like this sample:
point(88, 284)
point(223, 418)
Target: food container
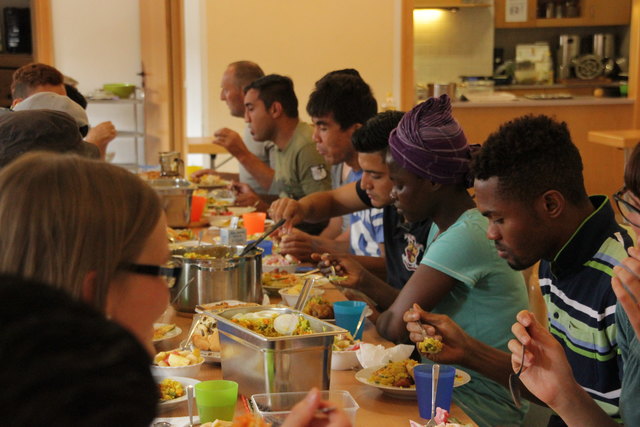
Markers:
point(344, 360)
point(220, 274)
point(291, 299)
point(176, 199)
point(262, 364)
point(275, 407)
point(189, 371)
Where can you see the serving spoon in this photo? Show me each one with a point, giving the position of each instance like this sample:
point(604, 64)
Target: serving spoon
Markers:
point(264, 235)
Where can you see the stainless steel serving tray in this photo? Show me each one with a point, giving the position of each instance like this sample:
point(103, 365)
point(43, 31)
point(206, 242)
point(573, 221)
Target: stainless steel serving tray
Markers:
point(262, 364)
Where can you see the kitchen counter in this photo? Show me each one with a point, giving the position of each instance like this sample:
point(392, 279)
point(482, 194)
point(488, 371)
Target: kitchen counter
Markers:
point(524, 102)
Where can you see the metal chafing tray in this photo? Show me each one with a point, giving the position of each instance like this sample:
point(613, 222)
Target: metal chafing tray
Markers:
point(262, 364)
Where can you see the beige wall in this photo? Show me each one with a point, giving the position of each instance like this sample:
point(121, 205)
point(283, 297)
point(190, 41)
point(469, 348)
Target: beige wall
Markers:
point(98, 42)
point(303, 40)
point(448, 45)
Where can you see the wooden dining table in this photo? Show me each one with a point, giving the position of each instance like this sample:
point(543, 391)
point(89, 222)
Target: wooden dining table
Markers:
point(376, 408)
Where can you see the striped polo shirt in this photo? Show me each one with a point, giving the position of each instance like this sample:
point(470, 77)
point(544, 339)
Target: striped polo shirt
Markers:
point(581, 304)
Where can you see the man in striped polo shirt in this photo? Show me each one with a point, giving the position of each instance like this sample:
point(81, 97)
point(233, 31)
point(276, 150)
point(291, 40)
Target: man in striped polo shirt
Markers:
point(529, 185)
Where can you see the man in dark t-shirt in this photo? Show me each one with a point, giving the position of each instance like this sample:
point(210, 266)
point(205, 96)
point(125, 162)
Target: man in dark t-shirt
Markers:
point(403, 241)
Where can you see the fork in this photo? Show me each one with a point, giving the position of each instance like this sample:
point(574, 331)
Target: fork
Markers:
point(515, 383)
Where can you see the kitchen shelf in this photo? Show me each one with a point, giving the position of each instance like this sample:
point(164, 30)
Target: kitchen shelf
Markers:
point(134, 105)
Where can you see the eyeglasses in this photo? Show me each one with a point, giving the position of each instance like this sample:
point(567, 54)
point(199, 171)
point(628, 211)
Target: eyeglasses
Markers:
point(625, 203)
point(169, 273)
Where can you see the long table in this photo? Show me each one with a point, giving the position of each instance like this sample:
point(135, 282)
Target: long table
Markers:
point(376, 408)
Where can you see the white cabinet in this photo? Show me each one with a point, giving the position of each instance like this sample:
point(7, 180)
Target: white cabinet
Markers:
point(127, 115)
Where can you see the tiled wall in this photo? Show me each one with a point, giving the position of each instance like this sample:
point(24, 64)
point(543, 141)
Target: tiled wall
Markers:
point(453, 45)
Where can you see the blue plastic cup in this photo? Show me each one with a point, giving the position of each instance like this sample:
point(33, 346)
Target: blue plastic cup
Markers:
point(422, 374)
point(348, 314)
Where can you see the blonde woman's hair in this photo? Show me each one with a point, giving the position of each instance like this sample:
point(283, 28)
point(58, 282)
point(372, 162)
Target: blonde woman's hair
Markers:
point(63, 216)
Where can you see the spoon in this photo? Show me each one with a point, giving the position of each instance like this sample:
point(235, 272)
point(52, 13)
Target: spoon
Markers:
point(435, 373)
point(190, 404)
point(360, 322)
point(304, 294)
point(185, 343)
point(514, 383)
point(255, 243)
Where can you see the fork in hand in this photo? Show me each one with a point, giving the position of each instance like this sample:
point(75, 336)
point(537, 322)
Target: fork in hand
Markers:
point(515, 383)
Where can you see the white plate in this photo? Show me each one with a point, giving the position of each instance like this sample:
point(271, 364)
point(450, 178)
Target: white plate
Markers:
point(172, 333)
point(404, 392)
point(182, 380)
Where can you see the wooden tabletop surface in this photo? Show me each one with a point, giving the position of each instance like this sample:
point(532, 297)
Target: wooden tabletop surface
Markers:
point(376, 408)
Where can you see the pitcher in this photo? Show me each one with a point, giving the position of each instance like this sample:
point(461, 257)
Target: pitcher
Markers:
point(171, 164)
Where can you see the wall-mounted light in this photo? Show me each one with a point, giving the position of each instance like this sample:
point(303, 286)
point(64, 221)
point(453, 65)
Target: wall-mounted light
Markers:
point(424, 16)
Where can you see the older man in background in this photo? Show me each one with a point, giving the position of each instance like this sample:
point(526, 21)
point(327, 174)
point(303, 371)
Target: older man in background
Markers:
point(256, 159)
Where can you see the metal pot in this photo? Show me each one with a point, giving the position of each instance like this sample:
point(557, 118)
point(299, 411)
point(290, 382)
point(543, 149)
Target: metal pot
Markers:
point(217, 274)
point(176, 199)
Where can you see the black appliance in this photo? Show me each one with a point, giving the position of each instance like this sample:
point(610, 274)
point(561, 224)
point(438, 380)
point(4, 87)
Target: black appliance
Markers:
point(17, 29)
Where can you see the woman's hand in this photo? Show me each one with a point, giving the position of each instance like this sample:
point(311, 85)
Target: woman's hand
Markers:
point(343, 270)
point(422, 323)
point(305, 414)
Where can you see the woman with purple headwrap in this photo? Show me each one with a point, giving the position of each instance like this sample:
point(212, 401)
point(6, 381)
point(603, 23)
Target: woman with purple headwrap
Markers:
point(460, 274)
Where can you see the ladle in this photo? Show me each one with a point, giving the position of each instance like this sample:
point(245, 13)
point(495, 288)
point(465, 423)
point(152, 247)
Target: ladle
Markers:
point(264, 235)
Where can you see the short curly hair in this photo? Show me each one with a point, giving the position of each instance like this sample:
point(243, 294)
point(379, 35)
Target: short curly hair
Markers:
point(530, 155)
point(32, 75)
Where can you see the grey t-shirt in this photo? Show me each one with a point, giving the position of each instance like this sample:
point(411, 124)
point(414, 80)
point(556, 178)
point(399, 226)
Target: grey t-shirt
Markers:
point(337, 181)
point(265, 151)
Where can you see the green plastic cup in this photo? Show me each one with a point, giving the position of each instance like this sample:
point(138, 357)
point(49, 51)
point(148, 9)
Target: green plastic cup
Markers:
point(216, 400)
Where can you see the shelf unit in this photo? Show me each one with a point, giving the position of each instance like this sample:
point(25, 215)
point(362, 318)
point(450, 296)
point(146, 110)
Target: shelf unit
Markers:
point(131, 110)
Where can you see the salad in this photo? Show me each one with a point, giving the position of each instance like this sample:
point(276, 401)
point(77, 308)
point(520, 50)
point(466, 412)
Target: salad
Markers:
point(280, 260)
point(345, 342)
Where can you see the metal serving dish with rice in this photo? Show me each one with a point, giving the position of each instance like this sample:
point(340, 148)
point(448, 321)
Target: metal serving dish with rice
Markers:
point(261, 364)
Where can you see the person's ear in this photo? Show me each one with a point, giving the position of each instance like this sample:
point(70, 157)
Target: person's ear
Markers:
point(354, 127)
point(88, 291)
point(276, 109)
point(552, 203)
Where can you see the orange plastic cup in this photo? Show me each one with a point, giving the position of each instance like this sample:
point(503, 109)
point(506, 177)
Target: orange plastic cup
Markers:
point(197, 207)
point(254, 222)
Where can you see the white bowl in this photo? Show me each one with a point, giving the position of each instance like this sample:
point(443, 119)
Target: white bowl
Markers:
point(292, 299)
point(344, 360)
point(283, 268)
point(189, 371)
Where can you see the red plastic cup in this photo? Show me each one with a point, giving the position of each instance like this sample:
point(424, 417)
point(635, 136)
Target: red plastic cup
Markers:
point(254, 222)
point(197, 207)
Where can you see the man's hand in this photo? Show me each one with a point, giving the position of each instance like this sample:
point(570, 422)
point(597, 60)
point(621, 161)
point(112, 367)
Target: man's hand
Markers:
point(289, 209)
point(245, 196)
point(230, 140)
point(626, 285)
point(297, 243)
point(455, 341)
point(342, 266)
point(547, 373)
point(195, 177)
point(101, 135)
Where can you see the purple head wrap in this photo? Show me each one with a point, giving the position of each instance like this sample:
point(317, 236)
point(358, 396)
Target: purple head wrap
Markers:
point(430, 143)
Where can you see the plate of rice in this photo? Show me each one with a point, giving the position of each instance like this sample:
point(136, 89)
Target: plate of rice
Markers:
point(395, 380)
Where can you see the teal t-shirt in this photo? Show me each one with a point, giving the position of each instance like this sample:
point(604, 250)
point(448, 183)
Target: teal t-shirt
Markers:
point(484, 303)
point(630, 349)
